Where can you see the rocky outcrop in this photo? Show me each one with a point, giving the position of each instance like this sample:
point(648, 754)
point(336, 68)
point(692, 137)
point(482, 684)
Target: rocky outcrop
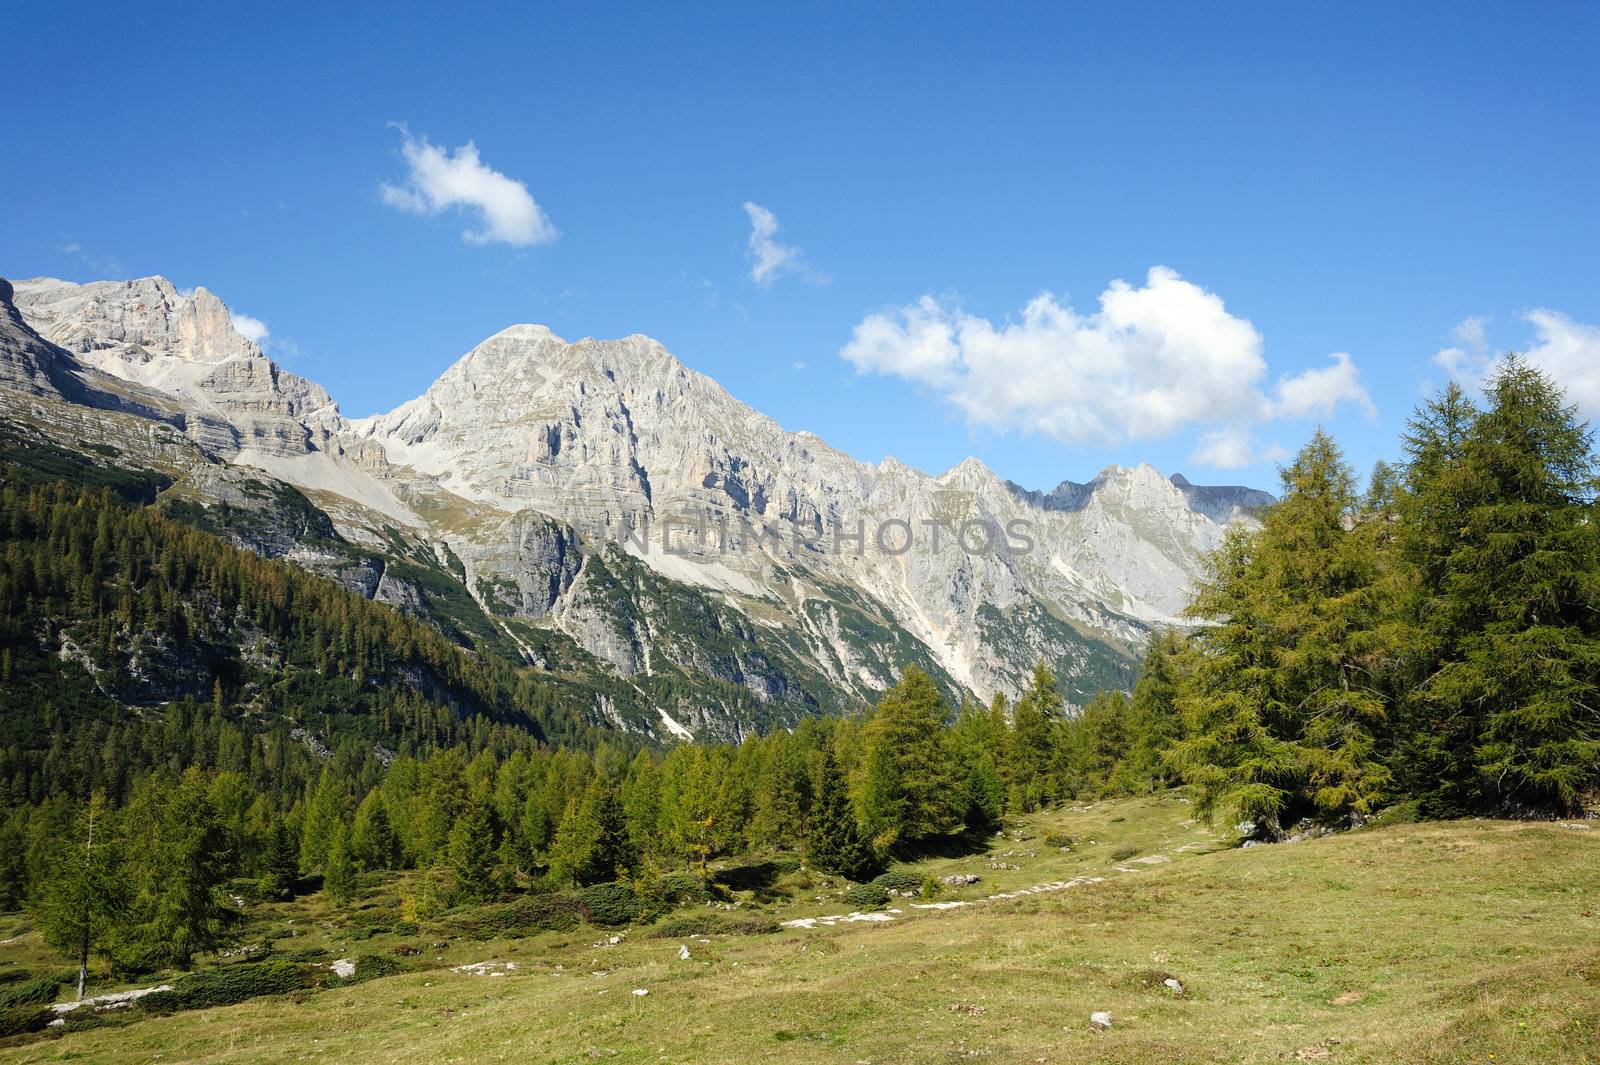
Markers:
point(184, 345)
point(28, 364)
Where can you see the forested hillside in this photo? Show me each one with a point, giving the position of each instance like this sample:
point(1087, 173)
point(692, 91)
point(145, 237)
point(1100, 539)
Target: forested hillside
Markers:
point(132, 642)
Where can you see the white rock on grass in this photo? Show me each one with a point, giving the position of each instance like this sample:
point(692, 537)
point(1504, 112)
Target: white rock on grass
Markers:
point(1100, 1020)
point(683, 953)
point(344, 968)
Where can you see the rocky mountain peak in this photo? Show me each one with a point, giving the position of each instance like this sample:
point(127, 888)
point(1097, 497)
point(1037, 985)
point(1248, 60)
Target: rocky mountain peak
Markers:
point(132, 321)
point(531, 454)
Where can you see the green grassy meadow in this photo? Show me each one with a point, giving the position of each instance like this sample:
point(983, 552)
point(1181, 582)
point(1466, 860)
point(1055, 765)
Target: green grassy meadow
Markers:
point(1468, 941)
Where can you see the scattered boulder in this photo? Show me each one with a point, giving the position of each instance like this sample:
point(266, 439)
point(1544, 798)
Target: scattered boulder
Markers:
point(641, 992)
point(1173, 984)
point(960, 879)
point(683, 953)
point(1100, 1021)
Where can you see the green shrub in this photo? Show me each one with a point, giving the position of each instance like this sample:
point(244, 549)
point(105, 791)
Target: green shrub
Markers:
point(679, 889)
point(898, 880)
point(29, 992)
point(871, 895)
point(405, 928)
point(610, 904)
point(227, 985)
point(549, 913)
point(752, 876)
point(931, 888)
point(494, 921)
point(1060, 841)
point(19, 1020)
point(713, 923)
point(1123, 853)
point(1401, 813)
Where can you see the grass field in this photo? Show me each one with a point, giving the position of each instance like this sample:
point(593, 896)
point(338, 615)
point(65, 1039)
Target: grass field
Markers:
point(1454, 942)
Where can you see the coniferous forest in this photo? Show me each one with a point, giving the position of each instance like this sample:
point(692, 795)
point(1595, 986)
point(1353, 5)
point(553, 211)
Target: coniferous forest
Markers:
point(1428, 641)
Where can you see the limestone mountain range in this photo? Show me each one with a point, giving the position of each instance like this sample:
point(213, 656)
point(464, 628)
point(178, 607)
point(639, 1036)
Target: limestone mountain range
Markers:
point(603, 513)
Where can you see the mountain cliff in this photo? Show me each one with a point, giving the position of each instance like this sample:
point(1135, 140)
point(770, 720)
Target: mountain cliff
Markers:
point(603, 513)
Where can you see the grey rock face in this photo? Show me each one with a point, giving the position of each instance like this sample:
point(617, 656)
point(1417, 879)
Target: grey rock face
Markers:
point(28, 364)
point(182, 344)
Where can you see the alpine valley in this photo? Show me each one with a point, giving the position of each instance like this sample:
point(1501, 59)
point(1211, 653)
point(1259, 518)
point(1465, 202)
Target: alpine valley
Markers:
point(672, 561)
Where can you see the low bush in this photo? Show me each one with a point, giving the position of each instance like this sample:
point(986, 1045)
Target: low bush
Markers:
point(550, 913)
point(405, 928)
point(678, 889)
point(610, 904)
point(898, 880)
point(1060, 841)
point(19, 1020)
point(751, 876)
point(1401, 813)
point(29, 992)
point(524, 917)
point(494, 921)
point(870, 895)
point(1123, 853)
point(714, 924)
point(227, 985)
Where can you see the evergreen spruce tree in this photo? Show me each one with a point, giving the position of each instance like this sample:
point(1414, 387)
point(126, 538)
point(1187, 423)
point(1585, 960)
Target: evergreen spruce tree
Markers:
point(614, 853)
point(178, 852)
point(837, 844)
point(1155, 722)
point(1285, 717)
point(1438, 735)
point(641, 803)
point(1034, 756)
point(592, 844)
point(13, 867)
point(908, 790)
point(977, 744)
point(283, 862)
point(82, 896)
point(1521, 591)
point(472, 853)
point(373, 844)
point(339, 871)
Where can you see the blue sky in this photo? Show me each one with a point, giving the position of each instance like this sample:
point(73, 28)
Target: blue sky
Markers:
point(1347, 178)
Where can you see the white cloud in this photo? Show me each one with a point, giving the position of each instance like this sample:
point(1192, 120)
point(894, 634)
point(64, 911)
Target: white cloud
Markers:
point(440, 179)
point(1318, 393)
point(1233, 446)
point(770, 258)
point(1469, 361)
point(1568, 351)
point(252, 329)
point(1151, 361)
